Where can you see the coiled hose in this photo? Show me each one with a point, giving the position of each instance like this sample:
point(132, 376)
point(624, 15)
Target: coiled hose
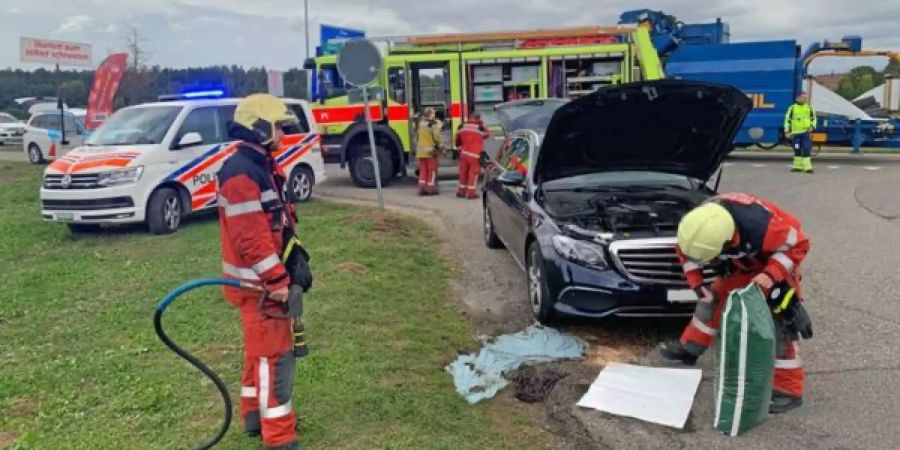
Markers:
point(220, 385)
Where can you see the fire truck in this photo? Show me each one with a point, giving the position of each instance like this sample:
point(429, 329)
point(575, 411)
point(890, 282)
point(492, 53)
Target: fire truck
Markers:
point(459, 74)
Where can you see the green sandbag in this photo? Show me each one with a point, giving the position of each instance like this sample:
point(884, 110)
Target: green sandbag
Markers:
point(746, 363)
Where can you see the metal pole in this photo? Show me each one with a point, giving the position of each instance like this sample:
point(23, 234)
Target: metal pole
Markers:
point(306, 24)
point(62, 114)
point(365, 94)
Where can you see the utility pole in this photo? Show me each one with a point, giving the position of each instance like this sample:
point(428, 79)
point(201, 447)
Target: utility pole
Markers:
point(306, 24)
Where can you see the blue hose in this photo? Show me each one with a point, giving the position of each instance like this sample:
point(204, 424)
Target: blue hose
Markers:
point(220, 385)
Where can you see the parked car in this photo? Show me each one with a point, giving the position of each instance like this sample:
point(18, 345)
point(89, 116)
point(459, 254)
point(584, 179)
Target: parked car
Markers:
point(42, 140)
point(157, 163)
point(589, 208)
point(11, 129)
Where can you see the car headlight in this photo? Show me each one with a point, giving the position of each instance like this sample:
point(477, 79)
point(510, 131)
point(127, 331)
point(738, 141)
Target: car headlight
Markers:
point(580, 252)
point(121, 176)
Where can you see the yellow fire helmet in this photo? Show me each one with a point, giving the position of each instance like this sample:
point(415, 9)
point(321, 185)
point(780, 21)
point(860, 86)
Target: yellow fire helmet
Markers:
point(260, 114)
point(704, 230)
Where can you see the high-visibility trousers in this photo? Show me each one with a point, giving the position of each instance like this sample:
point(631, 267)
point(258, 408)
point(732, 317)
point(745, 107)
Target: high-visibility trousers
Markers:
point(704, 327)
point(428, 175)
point(802, 144)
point(469, 168)
point(267, 381)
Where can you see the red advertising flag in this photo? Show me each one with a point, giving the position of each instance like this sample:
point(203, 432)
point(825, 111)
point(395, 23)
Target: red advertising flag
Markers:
point(106, 83)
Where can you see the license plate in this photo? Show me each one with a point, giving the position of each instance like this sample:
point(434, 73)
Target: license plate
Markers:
point(682, 296)
point(65, 217)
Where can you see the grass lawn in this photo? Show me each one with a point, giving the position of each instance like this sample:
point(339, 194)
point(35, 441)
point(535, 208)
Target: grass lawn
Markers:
point(82, 368)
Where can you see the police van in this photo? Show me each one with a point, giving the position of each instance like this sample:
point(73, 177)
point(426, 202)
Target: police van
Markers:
point(157, 163)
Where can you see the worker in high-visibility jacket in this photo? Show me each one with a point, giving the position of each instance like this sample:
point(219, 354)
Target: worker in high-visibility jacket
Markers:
point(254, 219)
point(428, 147)
point(799, 123)
point(745, 240)
point(470, 140)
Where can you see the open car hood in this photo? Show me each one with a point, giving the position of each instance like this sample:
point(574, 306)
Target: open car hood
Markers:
point(672, 126)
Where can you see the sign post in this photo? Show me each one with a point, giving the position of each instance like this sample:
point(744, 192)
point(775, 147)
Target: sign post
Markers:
point(275, 82)
point(359, 63)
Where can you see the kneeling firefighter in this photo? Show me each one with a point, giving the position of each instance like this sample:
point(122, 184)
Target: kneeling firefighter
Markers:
point(259, 246)
point(746, 240)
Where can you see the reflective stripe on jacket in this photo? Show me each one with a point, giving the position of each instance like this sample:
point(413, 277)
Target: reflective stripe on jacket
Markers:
point(252, 219)
point(767, 239)
point(428, 137)
point(470, 138)
point(799, 119)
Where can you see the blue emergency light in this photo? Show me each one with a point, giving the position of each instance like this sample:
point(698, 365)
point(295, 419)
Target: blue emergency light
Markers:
point(192, 95)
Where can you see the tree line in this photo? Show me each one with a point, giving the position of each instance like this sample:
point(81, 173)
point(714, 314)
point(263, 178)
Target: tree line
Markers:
point(861, 79)
point(139, 85)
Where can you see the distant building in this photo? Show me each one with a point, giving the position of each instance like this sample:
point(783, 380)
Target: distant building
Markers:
point(831, 81)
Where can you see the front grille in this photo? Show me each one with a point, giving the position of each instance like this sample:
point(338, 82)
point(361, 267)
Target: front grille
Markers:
point(78, 181)
point(651, 261)
point(87, 205)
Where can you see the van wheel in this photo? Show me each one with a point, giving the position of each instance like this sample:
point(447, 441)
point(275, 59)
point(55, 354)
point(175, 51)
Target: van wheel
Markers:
point(165, 211)
point(300, 185)
point(362, 169)
point(34, 154)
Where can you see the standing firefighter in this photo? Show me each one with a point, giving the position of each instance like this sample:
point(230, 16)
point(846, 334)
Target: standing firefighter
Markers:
point(428, 147)
point(470, 139)
point(799, 123)
point(255, 223)
point(746, 240)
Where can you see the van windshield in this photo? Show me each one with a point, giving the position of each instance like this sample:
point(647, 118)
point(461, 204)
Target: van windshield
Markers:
point(136, 126)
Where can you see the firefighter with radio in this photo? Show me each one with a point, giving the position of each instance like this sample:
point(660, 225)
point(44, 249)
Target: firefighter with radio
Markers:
point(746, 240)
point(259, 247)
point(799, 123)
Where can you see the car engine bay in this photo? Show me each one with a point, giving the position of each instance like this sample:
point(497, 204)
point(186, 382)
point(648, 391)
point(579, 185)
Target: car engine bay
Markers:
point(624, 213)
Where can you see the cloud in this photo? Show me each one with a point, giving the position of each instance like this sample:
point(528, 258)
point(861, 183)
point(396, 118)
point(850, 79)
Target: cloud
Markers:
point(212, 25)
point(75, 24)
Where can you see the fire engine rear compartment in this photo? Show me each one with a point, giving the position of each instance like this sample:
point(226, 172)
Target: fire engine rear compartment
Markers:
point(491, 81)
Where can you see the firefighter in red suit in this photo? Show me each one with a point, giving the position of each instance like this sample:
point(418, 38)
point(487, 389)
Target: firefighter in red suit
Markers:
point(745, 240)
point(254, 218)
point(470, 140)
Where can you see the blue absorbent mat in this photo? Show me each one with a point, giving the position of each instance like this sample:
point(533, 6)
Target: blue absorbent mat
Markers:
point(480, 376)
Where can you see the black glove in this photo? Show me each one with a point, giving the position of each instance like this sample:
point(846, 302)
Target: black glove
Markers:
point(297, 264)
point(483, 159)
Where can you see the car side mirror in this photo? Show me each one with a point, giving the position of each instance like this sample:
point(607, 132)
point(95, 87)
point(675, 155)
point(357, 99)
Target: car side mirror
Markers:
point(189, 140)
point(512, 178)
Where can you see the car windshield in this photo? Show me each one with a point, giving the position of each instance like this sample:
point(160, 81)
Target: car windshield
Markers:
point(626, 180)
point(136, 126)
point(530, 114)
point(6, 118)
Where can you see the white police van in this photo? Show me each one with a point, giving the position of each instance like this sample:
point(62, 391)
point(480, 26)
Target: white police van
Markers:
point(157, 162)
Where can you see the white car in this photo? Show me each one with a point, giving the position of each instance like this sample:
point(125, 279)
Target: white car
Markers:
point(11, 129)
point(42, 140)
point(157, 162)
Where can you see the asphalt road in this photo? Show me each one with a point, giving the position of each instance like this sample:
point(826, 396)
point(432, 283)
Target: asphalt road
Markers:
point(850, 209)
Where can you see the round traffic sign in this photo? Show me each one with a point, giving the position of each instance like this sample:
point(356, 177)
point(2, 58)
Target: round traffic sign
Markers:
point(359, 62)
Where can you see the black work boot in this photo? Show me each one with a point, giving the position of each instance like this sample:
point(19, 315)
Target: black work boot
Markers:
point(674, 351)
point(783, 403)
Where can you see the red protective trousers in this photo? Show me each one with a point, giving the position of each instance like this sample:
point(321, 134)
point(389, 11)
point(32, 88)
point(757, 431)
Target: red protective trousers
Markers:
point(428, 175)
point(267, 380)
point(469, 168)
point(699, 335)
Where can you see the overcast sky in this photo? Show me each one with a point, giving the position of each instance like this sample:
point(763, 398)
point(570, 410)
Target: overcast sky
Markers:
point(184, 33)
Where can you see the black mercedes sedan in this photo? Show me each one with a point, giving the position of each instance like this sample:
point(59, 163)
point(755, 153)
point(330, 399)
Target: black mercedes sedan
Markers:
point(588, 200)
